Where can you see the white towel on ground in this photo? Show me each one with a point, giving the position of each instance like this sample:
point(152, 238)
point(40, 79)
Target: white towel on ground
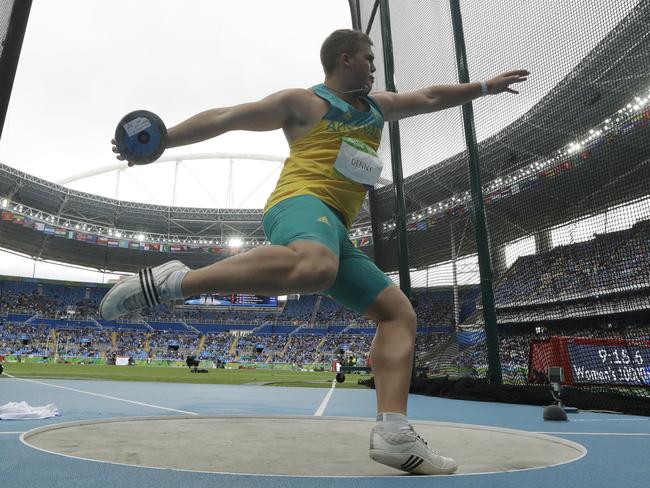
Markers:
point(23, 411)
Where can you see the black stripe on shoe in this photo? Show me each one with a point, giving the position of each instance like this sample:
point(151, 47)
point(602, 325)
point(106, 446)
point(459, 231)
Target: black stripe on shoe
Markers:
point(144, 287)
point(411, 463)
point(408, 461)
point(153, 286)
point(148, 279)
point(413, 466)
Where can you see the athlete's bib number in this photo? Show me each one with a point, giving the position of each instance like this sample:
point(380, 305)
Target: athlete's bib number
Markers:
point(358, 162)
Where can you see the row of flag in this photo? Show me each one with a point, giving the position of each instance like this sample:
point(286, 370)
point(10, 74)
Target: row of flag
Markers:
point(362, 241)
point(99, 240)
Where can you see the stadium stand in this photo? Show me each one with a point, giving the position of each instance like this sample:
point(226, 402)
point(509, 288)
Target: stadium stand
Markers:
point(578, 281)
point(60, 320)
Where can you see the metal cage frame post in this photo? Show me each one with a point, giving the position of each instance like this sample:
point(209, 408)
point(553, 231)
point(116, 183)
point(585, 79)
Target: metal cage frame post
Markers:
point(482, 241)
point(11, 53)
point(395, 154)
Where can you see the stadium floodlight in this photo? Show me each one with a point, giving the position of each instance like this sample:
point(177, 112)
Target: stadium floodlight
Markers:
point(235, 242)
point(140, 237)
point(4, 203)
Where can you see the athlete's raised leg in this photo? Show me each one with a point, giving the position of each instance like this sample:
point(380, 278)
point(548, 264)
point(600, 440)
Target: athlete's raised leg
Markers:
point(301, 267)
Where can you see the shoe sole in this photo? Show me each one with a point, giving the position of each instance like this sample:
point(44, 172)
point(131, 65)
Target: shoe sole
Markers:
point(408, 462)
point(129, 280)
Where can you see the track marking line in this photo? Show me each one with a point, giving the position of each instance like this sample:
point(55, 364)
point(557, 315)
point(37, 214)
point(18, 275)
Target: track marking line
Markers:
point(105, 396)
point(599, 433)
point(323, 404)
point(610, 420)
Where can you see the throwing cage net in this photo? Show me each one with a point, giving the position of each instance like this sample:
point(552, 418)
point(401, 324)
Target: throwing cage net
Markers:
point(13, 20)
point(565, 188)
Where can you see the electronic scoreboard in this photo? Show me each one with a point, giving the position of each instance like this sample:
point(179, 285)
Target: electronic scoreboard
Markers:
point(588, 360)
point(242, 300)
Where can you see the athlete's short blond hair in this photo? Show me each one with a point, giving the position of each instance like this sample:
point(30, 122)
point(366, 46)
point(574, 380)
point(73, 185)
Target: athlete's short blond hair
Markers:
point(339, 42)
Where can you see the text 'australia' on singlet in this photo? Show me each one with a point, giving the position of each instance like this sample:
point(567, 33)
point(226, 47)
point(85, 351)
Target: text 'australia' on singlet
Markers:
point(309, 169)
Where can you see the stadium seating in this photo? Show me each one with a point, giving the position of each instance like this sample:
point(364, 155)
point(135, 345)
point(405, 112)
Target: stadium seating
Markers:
point(604, 276)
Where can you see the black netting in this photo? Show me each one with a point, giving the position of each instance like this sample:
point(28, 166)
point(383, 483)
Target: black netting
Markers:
point(565, 170)
point(5, 13)
point(13, 20)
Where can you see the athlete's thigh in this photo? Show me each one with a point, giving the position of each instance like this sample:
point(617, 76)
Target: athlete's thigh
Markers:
point(359, 280)
point(301, 218)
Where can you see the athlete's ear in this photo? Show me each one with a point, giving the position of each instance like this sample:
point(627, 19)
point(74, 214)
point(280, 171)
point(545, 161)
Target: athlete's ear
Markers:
point(345, 59)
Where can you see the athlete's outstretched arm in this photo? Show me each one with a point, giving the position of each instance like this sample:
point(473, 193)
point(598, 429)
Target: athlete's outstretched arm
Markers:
point(270, 113)
point(398, 106)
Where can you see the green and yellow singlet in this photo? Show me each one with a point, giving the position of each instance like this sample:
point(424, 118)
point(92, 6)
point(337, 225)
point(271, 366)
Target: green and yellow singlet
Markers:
point(309, 169)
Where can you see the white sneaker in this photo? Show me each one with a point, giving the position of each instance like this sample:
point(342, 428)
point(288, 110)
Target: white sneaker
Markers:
point(408, 452)
point(145, 289)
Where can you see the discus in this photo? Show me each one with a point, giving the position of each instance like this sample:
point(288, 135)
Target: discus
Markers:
point(140, 137)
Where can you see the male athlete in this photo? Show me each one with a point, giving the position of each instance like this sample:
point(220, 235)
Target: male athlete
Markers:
point(333, 130)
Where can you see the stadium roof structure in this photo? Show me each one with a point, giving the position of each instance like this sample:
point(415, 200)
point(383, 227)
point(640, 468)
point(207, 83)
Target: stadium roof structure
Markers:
point(547, 204)
point(103, 215)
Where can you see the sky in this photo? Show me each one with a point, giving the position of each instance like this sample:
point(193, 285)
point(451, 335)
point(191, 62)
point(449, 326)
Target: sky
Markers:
point(86, 63)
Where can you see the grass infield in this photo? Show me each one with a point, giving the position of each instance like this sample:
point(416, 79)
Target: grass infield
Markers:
point(181, 375)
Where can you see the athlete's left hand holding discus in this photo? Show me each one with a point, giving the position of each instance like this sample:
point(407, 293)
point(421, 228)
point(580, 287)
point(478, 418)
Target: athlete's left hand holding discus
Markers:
point(119, 156)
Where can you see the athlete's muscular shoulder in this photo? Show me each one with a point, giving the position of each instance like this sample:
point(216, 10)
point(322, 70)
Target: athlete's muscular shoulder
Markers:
point(306, 109)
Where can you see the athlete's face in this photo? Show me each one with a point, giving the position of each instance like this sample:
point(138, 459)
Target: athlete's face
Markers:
point(362, 67)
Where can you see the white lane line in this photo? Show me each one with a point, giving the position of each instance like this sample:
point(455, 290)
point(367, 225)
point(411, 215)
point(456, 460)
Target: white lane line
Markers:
point(105, 396)
point(599, 433)
point(610, 420)
point(323, 404)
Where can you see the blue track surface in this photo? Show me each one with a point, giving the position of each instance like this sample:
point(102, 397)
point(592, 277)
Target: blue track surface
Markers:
point(618, 445)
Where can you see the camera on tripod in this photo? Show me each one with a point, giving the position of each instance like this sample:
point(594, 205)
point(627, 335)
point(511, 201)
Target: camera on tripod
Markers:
point(557, 411)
